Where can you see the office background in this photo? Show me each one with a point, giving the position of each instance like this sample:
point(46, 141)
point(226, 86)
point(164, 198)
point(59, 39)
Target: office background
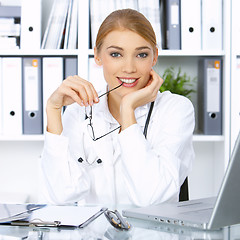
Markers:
point(20, 152)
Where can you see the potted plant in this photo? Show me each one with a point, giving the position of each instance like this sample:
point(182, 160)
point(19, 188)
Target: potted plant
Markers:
point(177, 82)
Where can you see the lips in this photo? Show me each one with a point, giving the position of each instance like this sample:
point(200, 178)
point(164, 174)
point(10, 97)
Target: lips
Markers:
point(128, 82)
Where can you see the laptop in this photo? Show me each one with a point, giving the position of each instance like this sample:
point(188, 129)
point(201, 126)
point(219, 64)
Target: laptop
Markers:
point(207, 213)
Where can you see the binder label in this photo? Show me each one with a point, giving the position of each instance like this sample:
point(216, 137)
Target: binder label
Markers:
point(31, 88)
point(174, 14)
point(213, 89)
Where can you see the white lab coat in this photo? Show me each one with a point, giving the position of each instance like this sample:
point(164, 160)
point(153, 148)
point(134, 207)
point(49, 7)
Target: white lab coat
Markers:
point(133, 170)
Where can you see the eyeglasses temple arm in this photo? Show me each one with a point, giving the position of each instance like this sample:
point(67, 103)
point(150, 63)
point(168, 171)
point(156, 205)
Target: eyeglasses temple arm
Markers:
point(110, 90)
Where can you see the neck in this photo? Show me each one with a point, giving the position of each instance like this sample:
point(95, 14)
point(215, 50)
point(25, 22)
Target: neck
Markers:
point(114, 106)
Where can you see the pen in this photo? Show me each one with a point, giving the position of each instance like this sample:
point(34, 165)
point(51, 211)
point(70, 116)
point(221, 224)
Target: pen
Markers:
point(92, 218)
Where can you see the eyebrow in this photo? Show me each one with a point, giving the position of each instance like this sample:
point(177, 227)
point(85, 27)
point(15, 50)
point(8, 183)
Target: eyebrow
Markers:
point(138, 48)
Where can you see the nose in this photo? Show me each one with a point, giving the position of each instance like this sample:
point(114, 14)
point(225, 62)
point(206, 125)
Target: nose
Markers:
point(129, 65)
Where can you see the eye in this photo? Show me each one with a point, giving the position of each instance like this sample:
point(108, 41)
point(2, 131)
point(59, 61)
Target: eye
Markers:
point(142, 55)
point(115, 54)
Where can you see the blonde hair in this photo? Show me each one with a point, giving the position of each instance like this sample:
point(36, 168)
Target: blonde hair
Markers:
point(126, 19)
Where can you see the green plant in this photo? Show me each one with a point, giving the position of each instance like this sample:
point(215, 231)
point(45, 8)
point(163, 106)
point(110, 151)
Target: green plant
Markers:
point(177, 83)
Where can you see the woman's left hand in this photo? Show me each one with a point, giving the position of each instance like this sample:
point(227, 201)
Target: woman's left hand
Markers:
point(144, 95)
point(139, 98)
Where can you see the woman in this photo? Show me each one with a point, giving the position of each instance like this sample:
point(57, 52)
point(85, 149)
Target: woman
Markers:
point(98, 153)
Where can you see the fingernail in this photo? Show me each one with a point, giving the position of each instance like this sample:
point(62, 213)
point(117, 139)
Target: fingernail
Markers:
point(91, 103)
point(96, 99)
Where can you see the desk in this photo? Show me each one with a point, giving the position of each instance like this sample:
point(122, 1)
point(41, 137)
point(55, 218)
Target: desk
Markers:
point(100, 229)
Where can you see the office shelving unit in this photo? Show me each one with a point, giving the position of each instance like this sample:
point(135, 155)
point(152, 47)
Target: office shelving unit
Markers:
point(212, 152)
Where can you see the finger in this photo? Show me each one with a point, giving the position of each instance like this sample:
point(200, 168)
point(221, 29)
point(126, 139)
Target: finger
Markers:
point(83, 88)
point(71, 84)
point(74, 96)
point(69, 93)
point(92, 96)
point(156, 78)
point(95, 95)
point(91, 93)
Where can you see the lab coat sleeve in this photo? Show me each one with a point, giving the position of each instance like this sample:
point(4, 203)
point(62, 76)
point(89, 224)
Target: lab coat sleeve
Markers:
point(63, 181)
point(154, 168)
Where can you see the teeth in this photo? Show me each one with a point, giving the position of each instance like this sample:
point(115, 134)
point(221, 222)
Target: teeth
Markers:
point(128, 80)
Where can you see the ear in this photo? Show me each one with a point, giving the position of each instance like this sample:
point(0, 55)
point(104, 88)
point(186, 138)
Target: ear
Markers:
point(155, 57)
point(97, 57)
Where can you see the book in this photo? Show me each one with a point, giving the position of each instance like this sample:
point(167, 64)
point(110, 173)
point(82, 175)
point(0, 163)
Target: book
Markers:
point(54, 32)
point(73, 29)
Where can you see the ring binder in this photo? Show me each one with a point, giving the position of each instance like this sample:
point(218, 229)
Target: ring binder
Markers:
point(210, 96)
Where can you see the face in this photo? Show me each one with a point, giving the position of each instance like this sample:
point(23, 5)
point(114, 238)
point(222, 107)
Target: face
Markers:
point(126, 58)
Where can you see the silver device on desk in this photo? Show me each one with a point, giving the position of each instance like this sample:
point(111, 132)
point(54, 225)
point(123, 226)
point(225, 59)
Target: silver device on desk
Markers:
point(206, 213)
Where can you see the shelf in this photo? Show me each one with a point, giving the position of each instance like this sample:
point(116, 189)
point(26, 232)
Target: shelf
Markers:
point(207, 138)
point(188, 53)
point(181, 53)
point(40, 52)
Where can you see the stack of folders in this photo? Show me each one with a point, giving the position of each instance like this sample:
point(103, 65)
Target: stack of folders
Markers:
point(26, 84)
point(210, 96)
point(61, 30)
point(19, 27)
point(10, 27)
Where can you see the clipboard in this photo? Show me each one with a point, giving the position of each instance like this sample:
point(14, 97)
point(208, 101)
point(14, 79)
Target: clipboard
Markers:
point(14, 212)
point(70, 217)
point(41, 221)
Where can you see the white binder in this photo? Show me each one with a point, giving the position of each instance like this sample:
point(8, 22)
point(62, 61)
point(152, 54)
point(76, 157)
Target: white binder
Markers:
point(235, 99)
point(12, 95)
point(1, 104)
point(212, 25)
point(235, 27)
point(31, 24)
point(52, 78)
point(191, 25)
point(95, 75)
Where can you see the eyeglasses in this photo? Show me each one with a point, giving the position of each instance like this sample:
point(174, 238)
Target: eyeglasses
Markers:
point(114, 217)
point(116, 220)
point(88, 113)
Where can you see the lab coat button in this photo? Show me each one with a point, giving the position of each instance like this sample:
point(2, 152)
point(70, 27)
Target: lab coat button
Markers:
point(80, 160)
point(99, 161)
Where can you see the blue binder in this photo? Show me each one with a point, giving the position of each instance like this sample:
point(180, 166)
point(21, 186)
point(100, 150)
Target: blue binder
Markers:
point(32, 96)
point(170, 24)
point(210, 96)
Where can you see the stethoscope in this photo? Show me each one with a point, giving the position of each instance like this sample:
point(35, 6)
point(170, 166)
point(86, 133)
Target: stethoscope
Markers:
point(99, 161)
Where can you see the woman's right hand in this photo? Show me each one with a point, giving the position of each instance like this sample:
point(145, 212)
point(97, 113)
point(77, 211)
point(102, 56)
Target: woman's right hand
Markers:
point(73, 89)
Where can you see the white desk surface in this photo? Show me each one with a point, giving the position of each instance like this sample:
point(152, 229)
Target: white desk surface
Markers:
point(101, 229)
